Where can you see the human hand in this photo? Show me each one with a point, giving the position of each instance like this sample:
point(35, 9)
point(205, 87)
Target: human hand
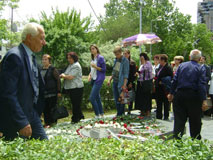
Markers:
point(108, 83)
point(93, 65)
point(89, 78)
point(170, 97)
point(59, 95)
point(26, 131)
point(204, 106)
point(62, 75)
point(130, 85)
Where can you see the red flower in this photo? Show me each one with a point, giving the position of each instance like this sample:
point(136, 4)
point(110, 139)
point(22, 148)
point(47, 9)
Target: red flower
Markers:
point(140, 117)
point(147, 127)
point(125, 125)
point(109, 137)
point(78, 131)
point(114, 119)
point(81, 127)
point(101, 122)
point(122, 119)
point(121, 132)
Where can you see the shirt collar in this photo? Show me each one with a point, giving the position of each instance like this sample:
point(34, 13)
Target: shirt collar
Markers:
point(28, 50)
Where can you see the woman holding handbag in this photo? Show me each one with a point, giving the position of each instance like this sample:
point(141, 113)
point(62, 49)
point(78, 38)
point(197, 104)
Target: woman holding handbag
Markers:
point(96, 76)
point(52, 89)
point(144, 86)
point(73, 85)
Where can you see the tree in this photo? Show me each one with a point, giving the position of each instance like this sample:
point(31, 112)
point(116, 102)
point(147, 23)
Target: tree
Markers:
point(174, 28)
point(65, 32)
point(5, 28)
point(203, 41)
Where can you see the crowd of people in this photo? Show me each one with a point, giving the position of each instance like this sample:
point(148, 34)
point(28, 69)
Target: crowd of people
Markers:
point(27, 91)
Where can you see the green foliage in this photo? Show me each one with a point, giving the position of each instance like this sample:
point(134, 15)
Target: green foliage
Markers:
point(87, 148)
point(106, 96)
point(5, 32)
point(205, 40)
point(175, 29)
point(65, 32)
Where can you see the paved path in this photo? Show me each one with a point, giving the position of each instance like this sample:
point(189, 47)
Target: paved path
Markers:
point(207, 127)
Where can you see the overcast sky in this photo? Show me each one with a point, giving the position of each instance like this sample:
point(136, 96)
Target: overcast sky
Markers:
point(32, 8)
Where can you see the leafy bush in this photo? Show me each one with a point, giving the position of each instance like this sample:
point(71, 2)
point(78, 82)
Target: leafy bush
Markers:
point(106, 96)
point(60, 148)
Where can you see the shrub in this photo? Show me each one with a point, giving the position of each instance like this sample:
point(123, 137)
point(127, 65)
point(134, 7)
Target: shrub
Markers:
point(106, 96)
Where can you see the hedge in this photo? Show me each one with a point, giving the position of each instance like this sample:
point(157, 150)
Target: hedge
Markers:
point(106, 96)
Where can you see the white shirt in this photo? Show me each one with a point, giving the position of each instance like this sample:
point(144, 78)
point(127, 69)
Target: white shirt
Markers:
point(93, 72)
point(76, 71)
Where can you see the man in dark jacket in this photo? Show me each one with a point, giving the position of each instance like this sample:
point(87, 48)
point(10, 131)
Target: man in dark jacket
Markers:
point(21, 87)
point(189, 90)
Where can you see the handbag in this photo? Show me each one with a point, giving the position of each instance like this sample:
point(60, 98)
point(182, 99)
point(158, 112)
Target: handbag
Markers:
point(132, 95)
point(60, 111)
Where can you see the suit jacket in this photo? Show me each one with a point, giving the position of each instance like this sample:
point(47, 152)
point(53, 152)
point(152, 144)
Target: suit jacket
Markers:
point(16, 91)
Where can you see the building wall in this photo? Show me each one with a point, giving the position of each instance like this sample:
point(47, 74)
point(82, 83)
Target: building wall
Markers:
point(205, 13)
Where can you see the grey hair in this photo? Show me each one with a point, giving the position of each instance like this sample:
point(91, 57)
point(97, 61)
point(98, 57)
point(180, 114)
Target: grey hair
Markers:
point(195, 55)
point(31, 28)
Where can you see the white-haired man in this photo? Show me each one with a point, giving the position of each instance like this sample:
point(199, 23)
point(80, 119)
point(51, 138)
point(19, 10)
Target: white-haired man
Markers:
point(21, 87)
point(189, 88)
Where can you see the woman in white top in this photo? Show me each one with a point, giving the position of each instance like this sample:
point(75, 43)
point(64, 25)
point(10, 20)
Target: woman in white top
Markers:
point(73, 85)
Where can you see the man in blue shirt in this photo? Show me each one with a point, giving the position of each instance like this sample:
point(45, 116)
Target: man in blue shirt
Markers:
point(189, 90)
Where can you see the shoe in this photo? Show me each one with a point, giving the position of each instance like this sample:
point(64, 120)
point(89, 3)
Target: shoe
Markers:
point(102, 116)
point(97, 116)
point(166, 118)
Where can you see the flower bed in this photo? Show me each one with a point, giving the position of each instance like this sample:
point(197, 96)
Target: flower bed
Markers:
point(130, 127)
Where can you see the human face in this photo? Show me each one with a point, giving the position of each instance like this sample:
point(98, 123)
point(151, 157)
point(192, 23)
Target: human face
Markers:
point(93, 50)
point(127, 55)
point(45, 61)
point(70, 59)
point(118, 55)
point(202, 60)
point(142, 60)
point(162, 62)
point(177, 62)
point(35, 43)
point(156, 61)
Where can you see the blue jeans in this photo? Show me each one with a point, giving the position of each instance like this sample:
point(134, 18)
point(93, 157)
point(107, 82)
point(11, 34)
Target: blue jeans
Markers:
point(95, 98)
point(116, 93)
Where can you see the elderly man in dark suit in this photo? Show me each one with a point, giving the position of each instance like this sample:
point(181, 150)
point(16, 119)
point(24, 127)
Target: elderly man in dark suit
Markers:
point(21, 87)
point(189, 90)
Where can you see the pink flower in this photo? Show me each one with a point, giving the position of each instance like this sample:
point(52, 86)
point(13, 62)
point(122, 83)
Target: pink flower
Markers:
point(147, 127)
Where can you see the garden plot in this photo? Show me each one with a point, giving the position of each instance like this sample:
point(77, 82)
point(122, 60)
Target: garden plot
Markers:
point(125, 127)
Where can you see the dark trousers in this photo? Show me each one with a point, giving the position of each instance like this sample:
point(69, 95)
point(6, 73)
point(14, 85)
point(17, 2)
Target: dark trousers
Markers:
point(76, 96)
point(37, 129)
point(162, 101)
point(50, 103)
point(187, 104)
point(143, 98)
